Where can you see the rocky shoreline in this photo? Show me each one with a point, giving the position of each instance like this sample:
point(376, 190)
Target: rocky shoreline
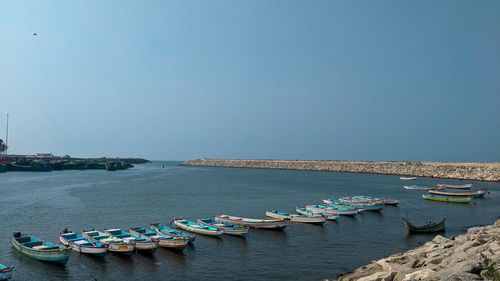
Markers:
point(446, 170)
point(457, 258)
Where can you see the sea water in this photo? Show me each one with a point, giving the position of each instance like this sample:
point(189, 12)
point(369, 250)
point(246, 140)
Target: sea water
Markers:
point(43, 204)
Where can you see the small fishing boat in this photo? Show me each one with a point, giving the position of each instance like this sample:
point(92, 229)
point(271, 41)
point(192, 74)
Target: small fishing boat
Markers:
point(475, 194)
point(277, 224)
point(465, 200)
point(76, 165)
point(112, 166)
point(430, 227)
point(318, 220)
point(142, 244)
point(115, 245)
point(166, 241)
point(81, 244)
point(462, 186)
point(416, 187)
point(306, 212)
point(3, 169)
point(336, 210)
point(29, 167)
point(197, 228)
point(363, 203)
point(407, 178)
point(39, 249)
point(386, 201)
point(5, 272)
point(231, 229)
point(277, 214)
point(163, 229)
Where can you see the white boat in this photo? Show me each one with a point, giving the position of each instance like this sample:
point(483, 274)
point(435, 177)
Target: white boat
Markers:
point(253, 223)
point(304, 211)
point(416, 187)
point(81, 244)
point(407, 178)
point(115, 245)
point(347, 211)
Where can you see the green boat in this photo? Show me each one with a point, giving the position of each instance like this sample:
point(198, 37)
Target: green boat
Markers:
point(3, 168)
point(96, 166)
point(39, 249)
point(29, 167)
point(112, 166)
point(76, 165)
point(57, 165)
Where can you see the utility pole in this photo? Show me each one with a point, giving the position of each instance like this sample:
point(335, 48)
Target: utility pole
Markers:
point(7, 136)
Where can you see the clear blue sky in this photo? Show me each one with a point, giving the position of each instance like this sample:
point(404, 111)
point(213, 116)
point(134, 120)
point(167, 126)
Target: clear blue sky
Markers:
point(355, 80)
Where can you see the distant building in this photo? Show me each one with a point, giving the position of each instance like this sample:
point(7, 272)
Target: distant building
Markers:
point(44, 155)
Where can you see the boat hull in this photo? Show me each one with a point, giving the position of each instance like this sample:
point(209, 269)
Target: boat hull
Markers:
point(96, 251)
point(433, 227)
point(317, 220)
point(475, 194)
point(464, 200)
point(164, 242)
point(161, 229)
point(235, 230)
point(59, 256)
point(114, 247)
point(277, 224)
point(5, 272)
point(278, 215)
point(198, 230)
point(333, 211)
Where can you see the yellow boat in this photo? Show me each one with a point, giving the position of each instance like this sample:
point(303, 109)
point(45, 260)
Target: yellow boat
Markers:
point(465, 200)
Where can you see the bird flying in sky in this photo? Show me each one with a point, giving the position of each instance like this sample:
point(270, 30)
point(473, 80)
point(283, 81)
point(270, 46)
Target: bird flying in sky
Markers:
point(34, 34)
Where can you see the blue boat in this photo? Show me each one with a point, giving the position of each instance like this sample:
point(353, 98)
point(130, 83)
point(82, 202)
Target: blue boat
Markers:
point(81, 244)
point(5, 272)
point(163, 229)
point(231, 229)
point(39, 249)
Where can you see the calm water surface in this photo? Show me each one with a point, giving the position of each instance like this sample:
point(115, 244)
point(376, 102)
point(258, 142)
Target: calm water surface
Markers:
point(42, 204)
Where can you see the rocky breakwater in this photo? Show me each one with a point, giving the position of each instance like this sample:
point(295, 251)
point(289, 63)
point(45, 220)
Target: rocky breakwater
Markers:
point(447, 170)
point(459, 258)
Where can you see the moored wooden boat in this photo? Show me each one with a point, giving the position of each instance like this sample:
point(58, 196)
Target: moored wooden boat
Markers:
point(81, 244)
point(336, 210)
point(386, 201)
point(306, 212)
point(407, 178)
point(29, 167)
point(277, 214)
point(253, 223)
point(76, 165)
point(112, 166)
point(318, 220)
point(416, 187)
point(163, 229)
point(3, 169)
point(231, 229)
point(363, 203)
point(197, 228)
point(462, 186)
point(39, 249)
point(465, 200)
point(430, 227)
point(142, 244)
point(5, 272)
point(475, 194)
point(166, 241)
point(115, 245)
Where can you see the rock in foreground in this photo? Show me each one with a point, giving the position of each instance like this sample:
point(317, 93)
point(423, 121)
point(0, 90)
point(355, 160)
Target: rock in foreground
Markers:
point(459, 258)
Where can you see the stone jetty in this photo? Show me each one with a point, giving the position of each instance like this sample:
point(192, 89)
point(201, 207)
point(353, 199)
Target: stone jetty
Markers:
point(445, 170)
point(456, 258)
